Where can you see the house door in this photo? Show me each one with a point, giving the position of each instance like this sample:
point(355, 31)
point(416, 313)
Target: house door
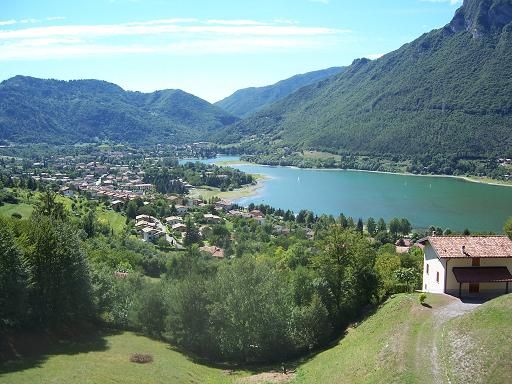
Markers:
point(474, 288)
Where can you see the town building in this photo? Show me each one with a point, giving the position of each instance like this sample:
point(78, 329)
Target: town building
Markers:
point(467, 265)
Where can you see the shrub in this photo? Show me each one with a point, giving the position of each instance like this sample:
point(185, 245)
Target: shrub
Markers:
point(423, 297)
point(141, 358)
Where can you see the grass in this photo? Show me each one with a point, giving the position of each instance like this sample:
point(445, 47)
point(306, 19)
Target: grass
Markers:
point(114, 219)
point(108, 361)
point(104, 215)
point(209, 192)
point(381, 349)
point(481, 344)
point(25, 210)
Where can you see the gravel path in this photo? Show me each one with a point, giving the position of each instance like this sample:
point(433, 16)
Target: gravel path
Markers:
point(441, 315)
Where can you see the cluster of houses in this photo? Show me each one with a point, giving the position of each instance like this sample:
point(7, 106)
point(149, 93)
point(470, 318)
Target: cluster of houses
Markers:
point(254, 214)
point(150, 227)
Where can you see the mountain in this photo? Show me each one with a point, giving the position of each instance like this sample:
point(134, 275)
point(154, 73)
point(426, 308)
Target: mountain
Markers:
point(246, 101)
point(446, 93)
point(62, 112)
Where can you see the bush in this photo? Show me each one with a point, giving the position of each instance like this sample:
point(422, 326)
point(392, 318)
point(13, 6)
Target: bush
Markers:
point(423, 297)
point(141, 358)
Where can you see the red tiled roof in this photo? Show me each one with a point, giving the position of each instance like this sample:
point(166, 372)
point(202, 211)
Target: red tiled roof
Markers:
point(482, 274)
point(470, 246)
point(214, 251)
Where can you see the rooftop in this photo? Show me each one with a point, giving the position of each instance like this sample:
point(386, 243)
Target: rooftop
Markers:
point(470, 246)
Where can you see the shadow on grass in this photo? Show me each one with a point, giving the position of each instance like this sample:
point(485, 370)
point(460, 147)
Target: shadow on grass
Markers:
point(21, 350)
point(426, 305)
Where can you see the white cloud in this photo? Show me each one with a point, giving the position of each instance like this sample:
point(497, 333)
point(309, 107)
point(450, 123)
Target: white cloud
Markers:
point(236, 22)
point(7, 22)
point(168, 36)
point(137, 29)
point(374, 56)
point(452, 2)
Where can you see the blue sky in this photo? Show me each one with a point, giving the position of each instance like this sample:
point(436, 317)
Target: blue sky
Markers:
point(207, 47)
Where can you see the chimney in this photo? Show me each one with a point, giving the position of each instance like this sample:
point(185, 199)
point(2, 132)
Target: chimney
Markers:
point(433, 233)
point(463, 249)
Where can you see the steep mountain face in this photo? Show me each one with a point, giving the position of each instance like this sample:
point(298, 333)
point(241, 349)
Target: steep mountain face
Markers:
point(447, 93)
point(37, 110)
point(246, 101)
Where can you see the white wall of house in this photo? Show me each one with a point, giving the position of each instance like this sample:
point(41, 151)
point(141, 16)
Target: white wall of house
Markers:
point(433, 271)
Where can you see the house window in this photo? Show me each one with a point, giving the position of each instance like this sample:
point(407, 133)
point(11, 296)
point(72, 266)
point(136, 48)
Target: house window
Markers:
point(437, 277)
point(475, 262)
point(427, 268)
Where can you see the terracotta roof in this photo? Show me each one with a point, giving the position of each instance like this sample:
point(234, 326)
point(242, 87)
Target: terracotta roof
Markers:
point(470, 246)
point(482, 274)
point(214, 251)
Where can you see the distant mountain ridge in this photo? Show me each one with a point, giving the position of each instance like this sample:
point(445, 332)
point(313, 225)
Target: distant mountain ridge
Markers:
point(63, 112)
point(246, 101)
point(446, 93)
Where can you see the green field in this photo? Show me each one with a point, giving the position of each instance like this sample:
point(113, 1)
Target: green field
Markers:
point(25, 210)
point(104, 215)
point(107, 360)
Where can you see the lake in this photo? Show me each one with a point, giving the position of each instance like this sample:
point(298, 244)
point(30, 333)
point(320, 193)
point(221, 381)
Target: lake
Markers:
point(441, 201)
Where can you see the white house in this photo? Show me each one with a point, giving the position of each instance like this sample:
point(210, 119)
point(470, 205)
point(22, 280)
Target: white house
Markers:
point(181, 209)
point(467, 265)
point(171, 220)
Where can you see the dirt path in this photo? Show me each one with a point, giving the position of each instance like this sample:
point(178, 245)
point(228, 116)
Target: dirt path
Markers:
point(441, 315)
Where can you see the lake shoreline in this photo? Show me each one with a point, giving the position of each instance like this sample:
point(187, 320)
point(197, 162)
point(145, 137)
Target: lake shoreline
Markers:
point(470, 179)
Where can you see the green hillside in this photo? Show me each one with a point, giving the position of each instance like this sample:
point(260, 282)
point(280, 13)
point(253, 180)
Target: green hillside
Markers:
point(245, 102)
point(477, 347)
point(402, 342)
point(447, 92)
point(37, 110)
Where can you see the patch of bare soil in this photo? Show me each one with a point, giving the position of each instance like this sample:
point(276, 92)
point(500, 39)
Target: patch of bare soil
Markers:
point(268, 377)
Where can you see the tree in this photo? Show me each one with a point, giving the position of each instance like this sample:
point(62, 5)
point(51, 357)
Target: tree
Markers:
point(507, 228)
point(49, 206)
point(381, 225)
point(58, 276)
point(250, 312)
point(394, 226)
point(408, 277)
point(148, 311)
point(405, 227)
point(360, 227)
point(89, 223)
point(188, 321)
point(346, 266)
point(131, 210)
point(371, 226)
point(12, 278)
point(310, 324)
point(343, 221)
point(191, 234)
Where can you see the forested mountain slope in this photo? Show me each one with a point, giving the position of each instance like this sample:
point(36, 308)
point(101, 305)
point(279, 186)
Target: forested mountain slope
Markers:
point(37, 110)
point(447, 92)
point(246, 101)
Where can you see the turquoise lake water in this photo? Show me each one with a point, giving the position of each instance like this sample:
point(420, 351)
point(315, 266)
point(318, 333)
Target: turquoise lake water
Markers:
point(440, 201)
